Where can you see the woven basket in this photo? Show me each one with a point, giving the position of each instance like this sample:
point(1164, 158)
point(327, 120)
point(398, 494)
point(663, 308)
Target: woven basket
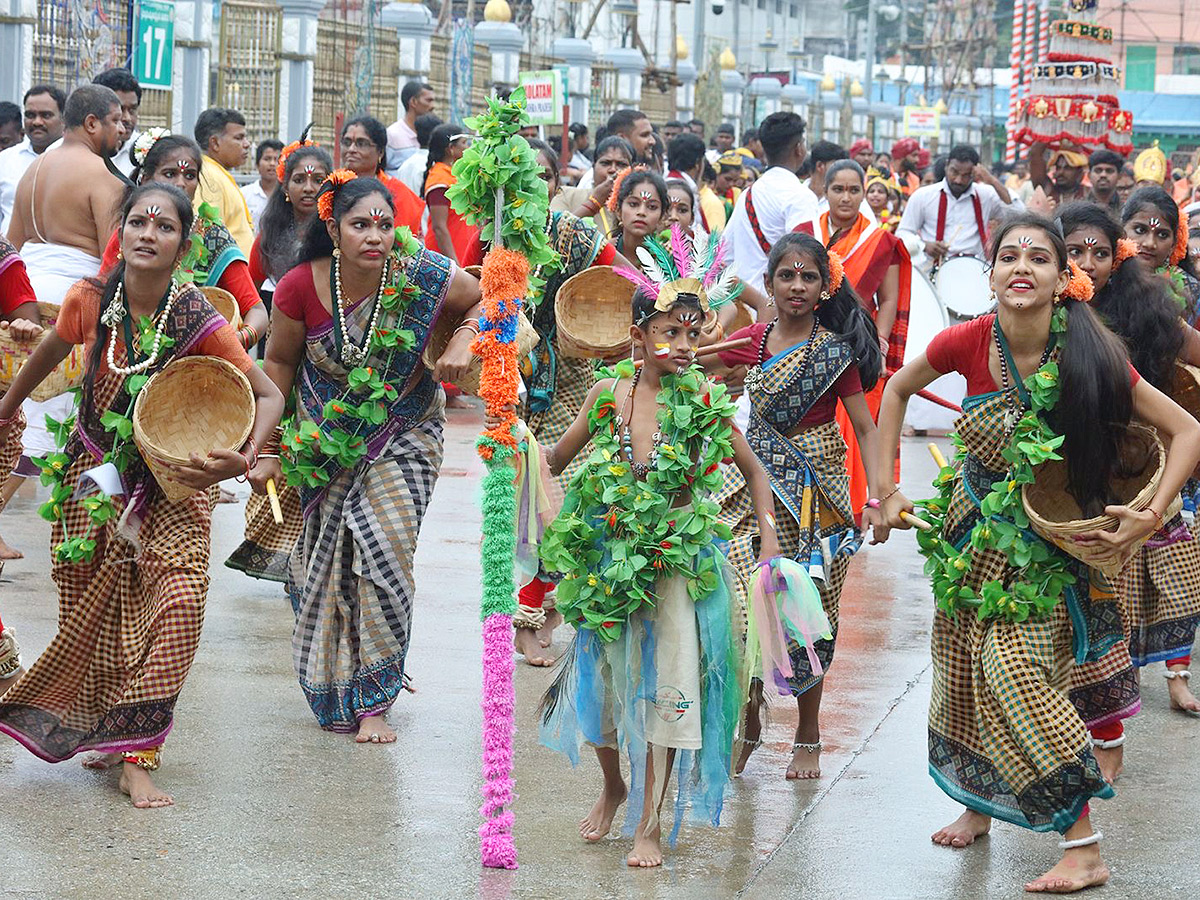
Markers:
point(194, 405)
point(443, 330)
point(224, 303)
point(741, 319)
point(476, 271)
point(1055, 515)
point(594, 310)
point(13, 353)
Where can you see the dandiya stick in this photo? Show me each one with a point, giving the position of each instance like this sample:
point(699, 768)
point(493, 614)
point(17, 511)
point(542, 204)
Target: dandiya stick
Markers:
point(712, 349)
point(936, 453)
point(273, 496)
point(940, 401)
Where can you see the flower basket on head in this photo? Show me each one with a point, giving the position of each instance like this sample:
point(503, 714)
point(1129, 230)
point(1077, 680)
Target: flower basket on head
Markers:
point(13, 353)
point(594, 310)
point(224, 303)
point(1056, 516)
point(194, 405)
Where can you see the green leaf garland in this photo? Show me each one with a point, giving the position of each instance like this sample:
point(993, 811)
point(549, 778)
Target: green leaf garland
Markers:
point(616, 534)
point(1043, 573)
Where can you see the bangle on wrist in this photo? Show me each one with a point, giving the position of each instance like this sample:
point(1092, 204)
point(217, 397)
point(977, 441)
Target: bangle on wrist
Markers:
point(889, 495)
point(873, 504)
point(1157, 515)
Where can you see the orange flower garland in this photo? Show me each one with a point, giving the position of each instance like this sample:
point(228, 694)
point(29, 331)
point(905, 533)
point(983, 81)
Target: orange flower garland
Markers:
point(616, 188)
point(503, 282)
point(329, 189)
point(1079, 287)
point(1126, 249)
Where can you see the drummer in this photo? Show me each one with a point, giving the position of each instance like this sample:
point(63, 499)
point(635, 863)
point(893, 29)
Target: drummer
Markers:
point(950, 218)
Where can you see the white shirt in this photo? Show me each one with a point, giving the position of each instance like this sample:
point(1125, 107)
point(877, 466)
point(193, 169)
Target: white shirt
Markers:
point(781, 204)
point(962, 230)
point(412, 171)
point(121, 160)
point(589, 179)
point(13, 163)
point(256, 201)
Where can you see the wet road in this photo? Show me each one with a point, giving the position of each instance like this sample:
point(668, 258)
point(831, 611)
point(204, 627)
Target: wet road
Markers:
point(270, 806)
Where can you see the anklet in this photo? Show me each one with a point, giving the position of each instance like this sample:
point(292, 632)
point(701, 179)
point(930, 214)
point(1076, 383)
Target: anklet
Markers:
point(808, 748)
point(1093, 838)
point(144, 759)
point(753, 744)
point(1171, 676)
point(1108, 745)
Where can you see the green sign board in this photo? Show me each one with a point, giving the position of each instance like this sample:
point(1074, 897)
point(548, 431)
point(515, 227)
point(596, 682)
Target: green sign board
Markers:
point(155, 43)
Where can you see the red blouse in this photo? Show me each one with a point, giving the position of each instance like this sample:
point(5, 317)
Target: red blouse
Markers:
point(965, 348)
point(847, 385)
point(15, 289)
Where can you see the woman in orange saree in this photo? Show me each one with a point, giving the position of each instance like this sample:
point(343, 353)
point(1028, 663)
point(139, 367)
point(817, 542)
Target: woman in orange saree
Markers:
point(878, 265)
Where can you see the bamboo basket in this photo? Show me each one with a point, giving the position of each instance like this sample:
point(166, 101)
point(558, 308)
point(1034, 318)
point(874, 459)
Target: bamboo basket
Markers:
point(195, 404)
point(443, 330)
point(1185, 390)
point(593, 310)
point(224, 303)
point(13, 354)
point(1056, 516)
point(741, 319)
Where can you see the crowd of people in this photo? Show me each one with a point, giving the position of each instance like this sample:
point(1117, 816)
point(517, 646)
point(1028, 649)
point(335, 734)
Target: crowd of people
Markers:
point(774, 455)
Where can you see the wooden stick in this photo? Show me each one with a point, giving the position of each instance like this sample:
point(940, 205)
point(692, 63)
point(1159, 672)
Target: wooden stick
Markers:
point(711, 349)
point(276, 510)
point(916, 521)
point(936, 453)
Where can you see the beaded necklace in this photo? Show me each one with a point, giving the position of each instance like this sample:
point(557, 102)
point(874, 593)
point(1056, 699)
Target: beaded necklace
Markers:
point(1016, 406)
point(118, 313)
point(640, 469)
point(351, 354)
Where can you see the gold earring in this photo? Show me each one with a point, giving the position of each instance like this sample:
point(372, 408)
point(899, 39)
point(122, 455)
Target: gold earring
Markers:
point(824, 295)
point(337, 251)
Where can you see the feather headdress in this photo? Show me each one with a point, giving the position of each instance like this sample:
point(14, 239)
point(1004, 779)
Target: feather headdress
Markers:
point(684, 265)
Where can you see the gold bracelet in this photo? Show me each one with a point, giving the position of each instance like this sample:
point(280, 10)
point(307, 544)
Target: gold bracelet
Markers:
point(144, 759)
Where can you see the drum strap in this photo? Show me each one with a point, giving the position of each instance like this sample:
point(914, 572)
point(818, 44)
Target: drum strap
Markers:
point(941, 219)
point(763, 243)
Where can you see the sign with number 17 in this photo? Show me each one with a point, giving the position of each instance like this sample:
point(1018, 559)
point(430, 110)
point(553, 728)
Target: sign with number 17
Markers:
point(155, 43)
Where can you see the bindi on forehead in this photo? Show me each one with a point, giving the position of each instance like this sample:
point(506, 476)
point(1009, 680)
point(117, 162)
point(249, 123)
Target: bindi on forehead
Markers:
point(153, 211)
point(376, 213)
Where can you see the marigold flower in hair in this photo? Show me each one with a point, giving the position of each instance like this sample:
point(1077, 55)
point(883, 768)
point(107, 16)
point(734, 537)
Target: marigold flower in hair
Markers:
point(1181, 242)
point(1126, 249)
point(329, 189)
point(1080, 286)
point(616, 189)
point(281, 166)
point(836, 272)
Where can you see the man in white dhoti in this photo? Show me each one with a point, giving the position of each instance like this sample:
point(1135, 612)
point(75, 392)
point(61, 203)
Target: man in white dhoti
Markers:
point(64, 213)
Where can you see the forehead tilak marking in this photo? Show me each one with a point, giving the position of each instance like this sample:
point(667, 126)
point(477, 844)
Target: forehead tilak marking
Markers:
point(1025, 242)
point(377, 213)
point(1091, 242)
point(153, 211)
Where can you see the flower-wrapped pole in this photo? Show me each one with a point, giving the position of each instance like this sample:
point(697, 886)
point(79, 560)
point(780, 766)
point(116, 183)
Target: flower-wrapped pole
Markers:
point(498, 188)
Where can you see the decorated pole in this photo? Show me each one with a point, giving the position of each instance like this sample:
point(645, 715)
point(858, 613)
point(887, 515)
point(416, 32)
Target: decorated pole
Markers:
point(1014, 90)
point(498, 188)
point(1028, 45)
point(1043, 36)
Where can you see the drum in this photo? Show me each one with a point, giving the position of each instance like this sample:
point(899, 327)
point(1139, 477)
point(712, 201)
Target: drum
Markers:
point(926, 318)
point(963, 287)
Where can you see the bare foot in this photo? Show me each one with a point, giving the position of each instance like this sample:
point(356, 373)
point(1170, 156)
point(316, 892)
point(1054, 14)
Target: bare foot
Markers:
point(1181, 695)
point(806, 762)
point(751, 738)
point(545, 634)
point(596, 825)
point(1079, 868)
point(136, 782)
point(373, 730)
point(1111, 762)
point(963, 830)
point(100, 761)
point(9, 552)
point(227, 497)
point(457, 402)
point(647, 848)
point(527, 644)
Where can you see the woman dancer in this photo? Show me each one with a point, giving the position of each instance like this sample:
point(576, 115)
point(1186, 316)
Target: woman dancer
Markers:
point(303, 167)
point(880, 271)
point(132, 569)
point(1004, 739)
point(349, 325)
point(678, 703)
point(1161, 586)
point(364, 152)
point(175, 159)
point(555, 388)
point(639, 201)
point(1155, 223)
point(821, 347)
point(448, 232)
